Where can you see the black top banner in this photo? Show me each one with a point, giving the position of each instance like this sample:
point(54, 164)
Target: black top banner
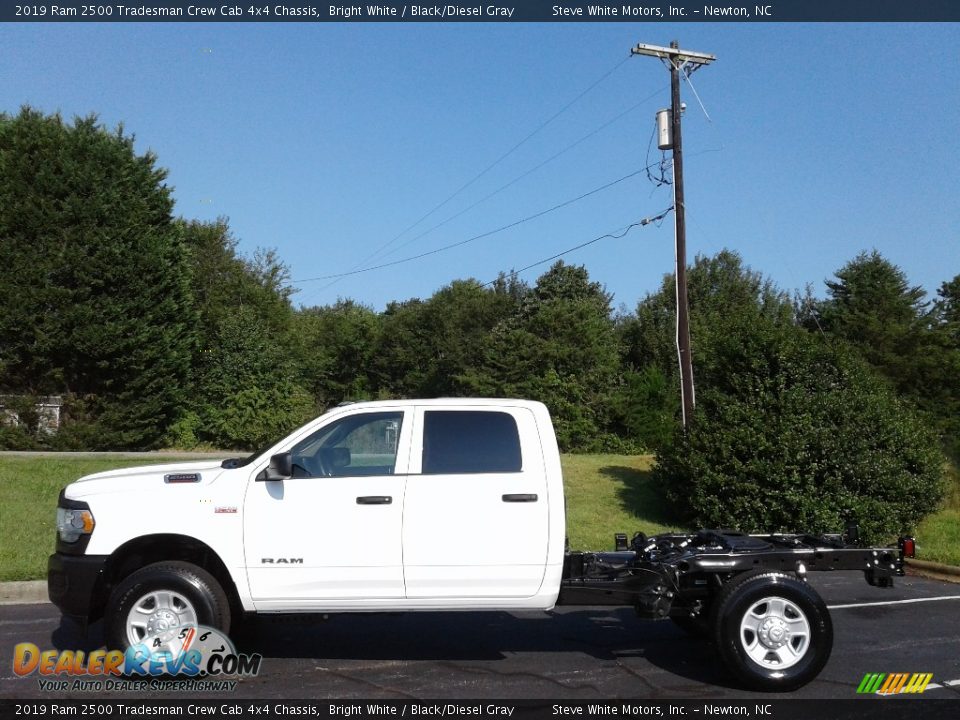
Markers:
point(477, 11)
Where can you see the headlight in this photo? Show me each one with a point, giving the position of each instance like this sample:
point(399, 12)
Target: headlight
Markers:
point(73, 522)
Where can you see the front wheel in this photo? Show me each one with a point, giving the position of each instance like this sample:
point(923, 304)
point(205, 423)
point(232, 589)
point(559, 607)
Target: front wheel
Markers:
point(773, 632)
point(158, 603)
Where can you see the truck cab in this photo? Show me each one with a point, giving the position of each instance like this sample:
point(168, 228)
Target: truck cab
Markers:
point(393, 505)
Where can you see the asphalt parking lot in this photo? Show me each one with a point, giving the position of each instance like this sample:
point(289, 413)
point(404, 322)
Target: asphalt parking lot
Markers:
point(572, 653)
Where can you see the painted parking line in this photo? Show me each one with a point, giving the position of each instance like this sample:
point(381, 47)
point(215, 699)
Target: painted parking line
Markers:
point(893, 602)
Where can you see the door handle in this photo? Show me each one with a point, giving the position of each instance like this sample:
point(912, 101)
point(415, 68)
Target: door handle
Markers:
point(374, 500)
point(520, 497)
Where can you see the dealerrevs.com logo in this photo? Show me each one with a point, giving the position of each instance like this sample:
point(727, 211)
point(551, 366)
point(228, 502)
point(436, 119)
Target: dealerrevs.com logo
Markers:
point(199, 658)
point(894, 683)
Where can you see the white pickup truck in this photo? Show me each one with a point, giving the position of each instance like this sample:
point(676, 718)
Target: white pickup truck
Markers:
point(422, 505)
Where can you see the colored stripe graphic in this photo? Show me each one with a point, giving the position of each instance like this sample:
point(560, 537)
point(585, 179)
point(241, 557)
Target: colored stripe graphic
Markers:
point(918, 683)
point(890, 682)
point(871, 683)
point(898, 685)
point(894, 683)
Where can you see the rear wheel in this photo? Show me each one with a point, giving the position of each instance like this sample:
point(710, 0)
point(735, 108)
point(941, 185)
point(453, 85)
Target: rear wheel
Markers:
point(772, 631)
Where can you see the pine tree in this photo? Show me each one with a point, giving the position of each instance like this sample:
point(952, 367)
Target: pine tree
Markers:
point(93, 282)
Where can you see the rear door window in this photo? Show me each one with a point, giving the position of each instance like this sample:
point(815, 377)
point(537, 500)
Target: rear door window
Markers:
point(471, 441)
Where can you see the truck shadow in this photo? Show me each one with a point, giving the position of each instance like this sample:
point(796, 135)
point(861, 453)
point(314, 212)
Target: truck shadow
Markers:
point(610, 635)
point(612, 638)
point(639, 495)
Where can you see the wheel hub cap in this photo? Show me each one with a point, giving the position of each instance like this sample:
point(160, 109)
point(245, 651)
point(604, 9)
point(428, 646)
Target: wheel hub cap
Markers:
point(160, 615)
point(162, 621)
point(773, 633)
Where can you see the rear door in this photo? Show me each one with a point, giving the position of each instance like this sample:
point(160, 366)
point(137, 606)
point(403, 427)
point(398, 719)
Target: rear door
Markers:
point(475, 514)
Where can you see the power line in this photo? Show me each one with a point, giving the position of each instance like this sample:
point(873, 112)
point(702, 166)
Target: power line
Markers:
point(357, 269)
point(613, 235)
point(686, 76)
point(532, 170)
point(500, 229)
point(663, 179)
point(496, 162)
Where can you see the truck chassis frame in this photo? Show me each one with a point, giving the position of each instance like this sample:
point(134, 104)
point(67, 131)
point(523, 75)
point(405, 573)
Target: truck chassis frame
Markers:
point(677, 574)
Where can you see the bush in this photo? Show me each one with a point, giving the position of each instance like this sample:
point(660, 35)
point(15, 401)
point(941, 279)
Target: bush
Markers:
point(256, 416)
point(182, 435)
point(645, 408)
point(15, 437)
point(24, 432)
point(796, 435)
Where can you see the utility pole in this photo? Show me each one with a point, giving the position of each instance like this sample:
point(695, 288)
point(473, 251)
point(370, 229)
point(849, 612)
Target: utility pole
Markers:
point(679, 61)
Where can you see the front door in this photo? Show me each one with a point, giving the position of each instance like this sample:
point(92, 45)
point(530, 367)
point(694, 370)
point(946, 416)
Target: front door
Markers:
point(332, 532)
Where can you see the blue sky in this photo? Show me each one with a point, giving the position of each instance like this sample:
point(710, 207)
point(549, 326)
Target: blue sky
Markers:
point(326, 141)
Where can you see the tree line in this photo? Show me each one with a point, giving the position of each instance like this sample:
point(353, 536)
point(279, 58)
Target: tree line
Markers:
point(158, 332)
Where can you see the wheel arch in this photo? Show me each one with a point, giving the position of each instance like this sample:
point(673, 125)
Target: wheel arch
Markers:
point(147, 549)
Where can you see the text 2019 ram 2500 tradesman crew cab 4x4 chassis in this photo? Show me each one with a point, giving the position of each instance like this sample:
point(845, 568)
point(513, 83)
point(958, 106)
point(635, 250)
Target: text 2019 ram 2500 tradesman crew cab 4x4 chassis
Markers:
point(453, 504)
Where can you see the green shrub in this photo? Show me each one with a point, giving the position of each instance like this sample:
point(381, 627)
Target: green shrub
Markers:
point(645, 408)
point(183, 433)
point(16, 437)
point(81, 426)
point(798, 435)
point(80, 435)
point(256, 416)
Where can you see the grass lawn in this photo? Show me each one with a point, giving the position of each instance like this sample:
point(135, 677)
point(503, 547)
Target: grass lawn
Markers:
point(605, 494)
point(938, 536)
point(29, 488)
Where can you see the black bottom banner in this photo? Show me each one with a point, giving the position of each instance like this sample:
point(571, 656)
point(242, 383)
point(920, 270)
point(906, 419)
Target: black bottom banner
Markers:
point(762, 709)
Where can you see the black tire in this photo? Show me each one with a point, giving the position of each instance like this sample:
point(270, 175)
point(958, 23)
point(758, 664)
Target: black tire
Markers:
point(700, 626)
point(800, 653)
point(194, 584)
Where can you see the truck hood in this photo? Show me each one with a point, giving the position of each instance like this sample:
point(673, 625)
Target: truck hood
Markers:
point(134, 479)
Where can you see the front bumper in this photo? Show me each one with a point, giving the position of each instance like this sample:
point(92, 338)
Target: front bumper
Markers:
point(74, 585)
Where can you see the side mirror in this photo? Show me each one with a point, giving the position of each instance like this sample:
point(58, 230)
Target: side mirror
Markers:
point(280, 468)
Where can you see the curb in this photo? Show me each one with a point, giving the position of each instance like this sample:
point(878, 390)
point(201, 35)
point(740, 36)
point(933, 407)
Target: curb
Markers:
point(24, 592)
point(935, 571)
